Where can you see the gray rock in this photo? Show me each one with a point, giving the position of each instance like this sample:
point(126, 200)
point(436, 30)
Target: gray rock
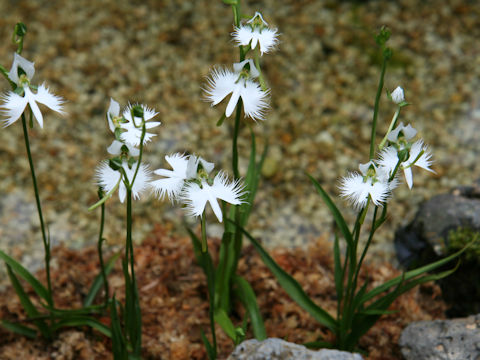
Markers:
point(424, 238)
point(456, 339)
point(424, 241)
point(278, 349)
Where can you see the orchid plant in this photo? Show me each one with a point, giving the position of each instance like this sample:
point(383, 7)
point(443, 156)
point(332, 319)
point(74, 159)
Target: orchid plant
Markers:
point(22, 103)
point(359, 307)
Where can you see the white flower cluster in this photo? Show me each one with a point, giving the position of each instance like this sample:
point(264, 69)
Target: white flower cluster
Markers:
point(15, 102)
point(379, 177)
point(241, 82)
point(189, 182)
point(127, 129)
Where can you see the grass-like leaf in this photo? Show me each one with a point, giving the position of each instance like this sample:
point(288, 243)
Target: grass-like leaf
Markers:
point(28, 306)
point(342, 225)
point(19, 329)
point(339, 272)
point(119, 347)
point(26, 275)
point(292, 287)
point(244, 292)
point(410, 275)
point(210, 351)
point(222, 319)
point(84, 321)
point(98, 281)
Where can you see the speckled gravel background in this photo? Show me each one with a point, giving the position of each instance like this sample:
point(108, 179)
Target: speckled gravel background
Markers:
point(323, 79)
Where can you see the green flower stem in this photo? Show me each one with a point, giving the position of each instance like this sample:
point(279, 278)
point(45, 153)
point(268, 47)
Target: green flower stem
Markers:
point(236, 130)
point(106, 197)
point(45, 238)
point(257, 65)
point(210, 272)
point(100, 253)
point(390, 128)
point(375, 110)
point(130, 259)
point(346, 315)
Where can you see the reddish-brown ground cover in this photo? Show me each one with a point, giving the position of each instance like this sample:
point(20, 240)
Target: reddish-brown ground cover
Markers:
point(175, 307)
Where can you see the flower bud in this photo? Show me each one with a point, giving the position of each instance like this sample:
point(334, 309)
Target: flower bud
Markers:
point(398, 95)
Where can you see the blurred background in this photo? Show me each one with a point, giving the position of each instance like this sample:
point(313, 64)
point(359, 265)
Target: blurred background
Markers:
point(323, 79)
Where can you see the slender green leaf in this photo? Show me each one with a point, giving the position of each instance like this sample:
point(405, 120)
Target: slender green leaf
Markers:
point(98, 281)
point(365, 319)
point(223, 273)
point(66, 313)
point(222, 319)
point(244, 292)
point(410, 275)
point(26, 275)
point(210, 351)
point(339, 272)
point(252, 179)
point(84, 321)
point(197, 248)
point(292, 287)
point(19, 329)
point(27, 304)
point(335, 212)
point(119, 346)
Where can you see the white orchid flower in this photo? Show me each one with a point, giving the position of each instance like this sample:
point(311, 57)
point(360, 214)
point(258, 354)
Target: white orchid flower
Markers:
point(240, 84)
point(14, 103)
point(256, 31)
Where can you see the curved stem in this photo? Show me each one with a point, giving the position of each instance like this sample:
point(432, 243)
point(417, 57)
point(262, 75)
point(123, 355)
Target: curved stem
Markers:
point(210, 272)
point(236, 129)
point(139, 161)
point(100, 253)
point(45, 238)
point(375, 110)
point(257, 65)
point(134, 307)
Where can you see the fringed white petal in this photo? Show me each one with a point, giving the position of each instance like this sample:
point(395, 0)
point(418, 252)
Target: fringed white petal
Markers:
point(357, 191)
point(266, 38)
point(255, 100)
point(220, 83)
point(142, 181)
point(388, 159)
point(195, 198)
point(45, 97)
point(13, 107)
point(106, 177)
point(242, 35)
point(231, 192)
